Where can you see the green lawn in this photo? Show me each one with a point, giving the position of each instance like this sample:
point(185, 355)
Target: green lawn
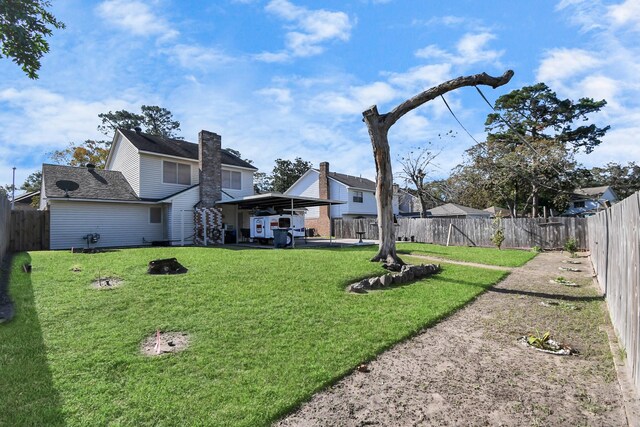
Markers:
point(268, 329)
point(490, 256)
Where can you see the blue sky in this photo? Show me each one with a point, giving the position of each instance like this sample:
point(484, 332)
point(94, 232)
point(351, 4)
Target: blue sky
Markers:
point(288, 78)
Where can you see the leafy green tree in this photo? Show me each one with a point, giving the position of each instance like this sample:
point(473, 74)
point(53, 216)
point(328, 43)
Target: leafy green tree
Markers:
point(624, 179)
point(157, 121)
point(535, 134)
point(24, 26)
point(286, 173)
point(90, 151)
point(152, 119)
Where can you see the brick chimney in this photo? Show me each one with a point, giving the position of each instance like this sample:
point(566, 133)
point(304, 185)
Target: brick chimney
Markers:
point(209, 146)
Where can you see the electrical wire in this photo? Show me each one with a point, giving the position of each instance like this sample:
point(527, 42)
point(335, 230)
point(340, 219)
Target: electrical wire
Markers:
point(459, 122)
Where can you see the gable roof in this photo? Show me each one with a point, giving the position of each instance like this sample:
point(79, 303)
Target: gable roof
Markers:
point(177, 148)
point(352, 181)
point(591, 191)
point(452, 209)
point(91, 184)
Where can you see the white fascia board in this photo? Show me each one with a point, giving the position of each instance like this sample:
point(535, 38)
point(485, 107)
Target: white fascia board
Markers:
point(130, 202)
point(186, 159)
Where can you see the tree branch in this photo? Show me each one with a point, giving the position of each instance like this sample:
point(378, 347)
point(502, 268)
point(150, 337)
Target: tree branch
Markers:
point(441, 89)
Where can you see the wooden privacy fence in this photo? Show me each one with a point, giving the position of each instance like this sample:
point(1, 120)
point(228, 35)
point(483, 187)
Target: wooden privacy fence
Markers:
point(551, 233)
point(29, 231)
point(5, 223)
point(615, 254)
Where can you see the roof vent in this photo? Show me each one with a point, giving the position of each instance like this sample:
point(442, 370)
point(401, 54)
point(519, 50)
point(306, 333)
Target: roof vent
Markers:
point(90, 166)
point(138, 129)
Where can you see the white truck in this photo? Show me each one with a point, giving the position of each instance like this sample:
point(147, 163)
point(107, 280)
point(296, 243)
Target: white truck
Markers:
point(262, 227)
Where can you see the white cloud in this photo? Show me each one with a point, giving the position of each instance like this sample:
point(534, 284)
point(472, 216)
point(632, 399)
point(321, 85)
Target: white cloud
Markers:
point(272, 57)
point(470, 49)
point(135, 17)
point(560, 64)
point(355, 99)
point(421, 77)
point(309, 29)
point(626, 13)
point(193, 56)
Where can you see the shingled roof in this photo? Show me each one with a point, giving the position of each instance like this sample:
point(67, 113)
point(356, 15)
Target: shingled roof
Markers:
point(177, 147)
point(84, 183)
point(352, 181)
point(452, 209)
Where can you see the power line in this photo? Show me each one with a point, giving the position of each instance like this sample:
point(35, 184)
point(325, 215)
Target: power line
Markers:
point(459, 122)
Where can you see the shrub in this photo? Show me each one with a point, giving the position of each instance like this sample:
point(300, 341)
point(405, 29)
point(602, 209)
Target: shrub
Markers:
point(498, 232)
point(571, 246)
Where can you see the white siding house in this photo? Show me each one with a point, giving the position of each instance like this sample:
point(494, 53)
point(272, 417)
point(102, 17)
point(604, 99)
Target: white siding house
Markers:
point(146, 193)
point(588, 201)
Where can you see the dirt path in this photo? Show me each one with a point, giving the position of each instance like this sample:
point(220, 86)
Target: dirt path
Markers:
point(470, 370)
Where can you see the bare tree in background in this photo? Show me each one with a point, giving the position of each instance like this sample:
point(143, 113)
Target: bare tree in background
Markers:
point(416, 167)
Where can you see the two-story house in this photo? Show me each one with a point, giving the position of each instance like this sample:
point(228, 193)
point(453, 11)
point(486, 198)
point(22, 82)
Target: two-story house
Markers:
point(357, 194)
point(146, 193)
point(587, 201)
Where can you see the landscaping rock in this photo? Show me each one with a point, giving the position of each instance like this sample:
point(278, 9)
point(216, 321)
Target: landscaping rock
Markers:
point(405, 274)
point(386, 280)
point(166, 266)
point(392, 267)
point(374, 283)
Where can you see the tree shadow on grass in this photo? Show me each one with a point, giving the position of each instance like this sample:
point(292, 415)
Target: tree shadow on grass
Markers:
point(546, 295)
point(27, 394)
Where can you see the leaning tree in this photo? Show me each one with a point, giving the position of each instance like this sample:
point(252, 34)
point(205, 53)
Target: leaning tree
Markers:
point(378, 126)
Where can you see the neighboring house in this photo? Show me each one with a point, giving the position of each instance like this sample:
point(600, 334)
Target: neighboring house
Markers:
point(493, 210)
point(452, 210)
point(588, 201)
point(24, 202)
point(146, 193)
point(408, 205)
point(357, 193)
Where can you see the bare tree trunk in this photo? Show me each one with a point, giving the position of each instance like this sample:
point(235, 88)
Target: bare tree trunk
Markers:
point(378, 126)
point(384, 188)
point(534, 202)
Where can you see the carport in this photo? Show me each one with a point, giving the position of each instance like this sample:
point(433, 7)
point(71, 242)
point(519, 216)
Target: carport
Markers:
point(278, 202)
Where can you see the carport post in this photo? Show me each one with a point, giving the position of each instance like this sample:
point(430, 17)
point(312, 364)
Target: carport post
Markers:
point(293, 236)
point(329, 223)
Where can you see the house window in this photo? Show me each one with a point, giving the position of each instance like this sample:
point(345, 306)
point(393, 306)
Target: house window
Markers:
point(155, 215)
point(358, 197)
point(176, 173)
point(578, 204)
point(232, 180)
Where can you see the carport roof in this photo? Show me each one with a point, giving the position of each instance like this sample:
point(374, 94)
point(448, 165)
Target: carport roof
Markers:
point(278, 201)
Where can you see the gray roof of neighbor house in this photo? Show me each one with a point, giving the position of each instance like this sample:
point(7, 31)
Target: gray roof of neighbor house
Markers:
point(352, 181)
point(452, 209)
point(177, 147)
point(591, 191)
point(84, 183)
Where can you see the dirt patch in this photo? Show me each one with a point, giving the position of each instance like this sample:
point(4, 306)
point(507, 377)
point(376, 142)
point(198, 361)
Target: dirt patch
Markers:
point(470, 369)
point(107, 283)
point(164, 342)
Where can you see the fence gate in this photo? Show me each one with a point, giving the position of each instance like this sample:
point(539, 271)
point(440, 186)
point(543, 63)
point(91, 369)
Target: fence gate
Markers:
point(29, 231)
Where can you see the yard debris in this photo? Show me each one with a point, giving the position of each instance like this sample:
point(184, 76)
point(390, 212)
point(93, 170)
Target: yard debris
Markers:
point(572, 261)
point(161, 343)
point(576, 270)
point(166, 266)
point(363, 367)
point(407, 273)
point(550, 347)
point(26, 268)
point(76, 269)
point(107, 282)
point(559, 304)
point(563, 281)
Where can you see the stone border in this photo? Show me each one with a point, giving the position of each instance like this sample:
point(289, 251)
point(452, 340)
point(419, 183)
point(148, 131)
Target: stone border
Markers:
point(407, 274)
